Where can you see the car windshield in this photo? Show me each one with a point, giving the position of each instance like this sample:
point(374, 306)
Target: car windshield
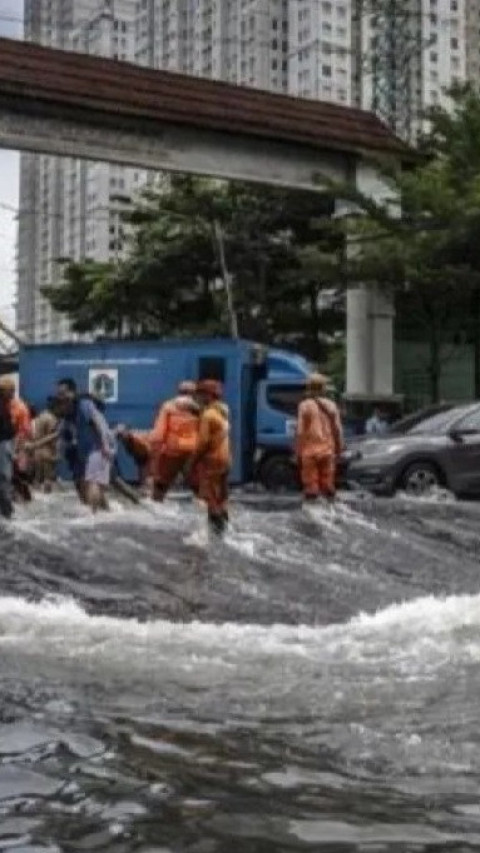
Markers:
point(406, 424)
point(440, 422)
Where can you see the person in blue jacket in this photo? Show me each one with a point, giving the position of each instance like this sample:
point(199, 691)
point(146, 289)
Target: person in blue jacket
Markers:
point(88, 444)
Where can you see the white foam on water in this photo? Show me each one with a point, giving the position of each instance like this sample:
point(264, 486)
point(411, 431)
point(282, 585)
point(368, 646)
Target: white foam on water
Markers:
point(351, 516)
point(47, 519)
point(323, 515)
point(335, 517)
point(407, 638)
point(198, 538)
point(433, 496)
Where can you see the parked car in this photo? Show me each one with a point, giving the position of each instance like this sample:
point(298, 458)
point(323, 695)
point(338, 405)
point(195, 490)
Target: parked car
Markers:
point(440, 449)
point(410, 421)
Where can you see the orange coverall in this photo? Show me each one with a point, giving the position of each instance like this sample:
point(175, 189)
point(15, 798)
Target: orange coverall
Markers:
point(319, 440)
point(213, 459)
point(22, 424)
point(173, 441)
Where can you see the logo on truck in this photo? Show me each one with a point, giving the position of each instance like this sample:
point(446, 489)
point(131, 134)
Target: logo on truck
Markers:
point(103, 383)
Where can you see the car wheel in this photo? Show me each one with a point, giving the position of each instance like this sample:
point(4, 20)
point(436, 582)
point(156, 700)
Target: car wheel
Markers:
point(279, 474)
point(420, 478)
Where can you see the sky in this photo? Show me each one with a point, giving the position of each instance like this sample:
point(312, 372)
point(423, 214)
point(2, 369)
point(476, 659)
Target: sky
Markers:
point(11, 14)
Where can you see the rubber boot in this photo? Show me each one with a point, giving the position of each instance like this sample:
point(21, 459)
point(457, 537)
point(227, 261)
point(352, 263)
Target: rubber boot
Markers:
point(159, 492)
point(217, 523)
point(6, 504)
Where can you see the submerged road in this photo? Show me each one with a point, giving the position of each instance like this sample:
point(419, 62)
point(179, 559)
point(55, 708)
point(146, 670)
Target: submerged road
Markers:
point(307, 684)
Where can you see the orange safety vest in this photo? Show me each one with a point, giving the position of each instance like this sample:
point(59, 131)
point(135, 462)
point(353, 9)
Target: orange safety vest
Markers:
point(214, 436)
point(175, 432)
point(21, 419)
point(319, 431)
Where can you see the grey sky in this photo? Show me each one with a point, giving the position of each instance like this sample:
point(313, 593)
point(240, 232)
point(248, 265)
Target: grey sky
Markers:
point(11, 15)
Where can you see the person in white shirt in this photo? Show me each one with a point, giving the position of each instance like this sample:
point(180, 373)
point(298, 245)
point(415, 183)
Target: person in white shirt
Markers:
point(377, 424)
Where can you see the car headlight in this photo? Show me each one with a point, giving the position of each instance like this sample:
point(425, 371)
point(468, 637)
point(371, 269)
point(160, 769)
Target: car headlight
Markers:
point(393, 448)
point(351, 455)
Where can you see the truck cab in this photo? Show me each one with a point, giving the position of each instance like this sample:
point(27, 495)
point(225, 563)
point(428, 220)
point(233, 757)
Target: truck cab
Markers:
point(278, 396)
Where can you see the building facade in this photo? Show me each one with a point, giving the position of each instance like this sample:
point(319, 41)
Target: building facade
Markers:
point(69, 208)
point(397, 57)
point(240, 41)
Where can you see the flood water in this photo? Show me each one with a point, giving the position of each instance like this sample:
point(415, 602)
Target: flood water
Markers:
point(310, 684)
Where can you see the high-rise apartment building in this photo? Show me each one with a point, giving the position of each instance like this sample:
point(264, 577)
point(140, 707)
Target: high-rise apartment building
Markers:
point(69, 208)
point(321, 59)
point(472, 29)
point(241, 41)
point(397, 57)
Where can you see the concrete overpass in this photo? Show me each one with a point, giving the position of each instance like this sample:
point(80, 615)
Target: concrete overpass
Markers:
point(74, 105)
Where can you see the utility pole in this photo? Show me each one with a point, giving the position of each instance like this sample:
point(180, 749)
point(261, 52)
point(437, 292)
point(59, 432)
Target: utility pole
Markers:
point(227, 280)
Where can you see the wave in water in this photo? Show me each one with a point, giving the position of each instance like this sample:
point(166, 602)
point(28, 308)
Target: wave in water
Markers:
point(425, 629)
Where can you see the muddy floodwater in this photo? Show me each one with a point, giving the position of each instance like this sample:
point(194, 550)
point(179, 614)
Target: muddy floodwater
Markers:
point(309, 684)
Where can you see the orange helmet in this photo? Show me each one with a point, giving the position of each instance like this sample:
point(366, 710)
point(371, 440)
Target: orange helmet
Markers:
point(211, 388)
point(317, 382)
point(187, 387)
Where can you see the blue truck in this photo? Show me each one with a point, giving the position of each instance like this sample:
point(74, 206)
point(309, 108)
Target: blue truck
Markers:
point(262, 388)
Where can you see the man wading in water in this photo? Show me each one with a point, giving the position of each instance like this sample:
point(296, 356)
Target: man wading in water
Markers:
point(210, 465)
point(89, 444)
point(319, 440)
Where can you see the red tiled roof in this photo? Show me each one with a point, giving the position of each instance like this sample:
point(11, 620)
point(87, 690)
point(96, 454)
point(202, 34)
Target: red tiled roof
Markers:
point(129, 92)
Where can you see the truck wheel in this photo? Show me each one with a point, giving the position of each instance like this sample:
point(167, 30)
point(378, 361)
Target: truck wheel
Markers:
point(279, 474)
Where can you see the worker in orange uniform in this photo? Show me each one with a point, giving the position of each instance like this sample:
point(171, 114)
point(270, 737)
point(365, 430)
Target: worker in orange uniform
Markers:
point(22, 425)
point(211, 463)
point(319, 440)
point(174, 439)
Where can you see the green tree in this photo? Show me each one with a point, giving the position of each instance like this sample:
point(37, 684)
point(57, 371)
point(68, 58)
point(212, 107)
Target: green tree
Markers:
point(428, 258)
point(281, 250)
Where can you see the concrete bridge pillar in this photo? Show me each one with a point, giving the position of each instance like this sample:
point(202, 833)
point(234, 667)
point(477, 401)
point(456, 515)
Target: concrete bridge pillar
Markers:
point(370, 319)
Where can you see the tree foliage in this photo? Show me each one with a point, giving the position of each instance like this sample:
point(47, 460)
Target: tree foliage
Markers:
point(428, 257)
point(283, 253)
